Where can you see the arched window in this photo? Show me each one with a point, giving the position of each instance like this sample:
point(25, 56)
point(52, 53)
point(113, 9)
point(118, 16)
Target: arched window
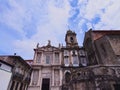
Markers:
point(67, 77)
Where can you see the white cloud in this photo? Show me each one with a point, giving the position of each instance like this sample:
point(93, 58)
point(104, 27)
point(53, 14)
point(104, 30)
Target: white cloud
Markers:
point(50, 20)
point(107, 11)
point(111, 16)
point(24, 48)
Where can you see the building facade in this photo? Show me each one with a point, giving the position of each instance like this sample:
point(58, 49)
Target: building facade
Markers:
point(21, 72)
point(47, 73)
point(5, 73)
point(103, 63)
point(93, 66)
point(73, 58)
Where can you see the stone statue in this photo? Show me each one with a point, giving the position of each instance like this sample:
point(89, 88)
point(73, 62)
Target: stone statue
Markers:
point(49, 43)
point(37, 45)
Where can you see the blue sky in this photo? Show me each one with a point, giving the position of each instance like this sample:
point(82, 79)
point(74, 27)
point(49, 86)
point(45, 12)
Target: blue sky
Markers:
point(24, 23)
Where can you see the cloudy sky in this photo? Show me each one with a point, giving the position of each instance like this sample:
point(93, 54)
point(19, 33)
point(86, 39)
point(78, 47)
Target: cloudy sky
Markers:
point(24, 23)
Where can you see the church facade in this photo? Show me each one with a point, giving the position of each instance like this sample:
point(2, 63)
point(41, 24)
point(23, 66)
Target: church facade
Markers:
point(47, 73)
point(93, 66)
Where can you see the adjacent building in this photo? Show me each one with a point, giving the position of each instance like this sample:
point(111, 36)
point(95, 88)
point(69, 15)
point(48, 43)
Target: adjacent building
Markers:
point(30, 62)
point(103, 63)
point(21, 72)
point(73, 58)
point(6, 74)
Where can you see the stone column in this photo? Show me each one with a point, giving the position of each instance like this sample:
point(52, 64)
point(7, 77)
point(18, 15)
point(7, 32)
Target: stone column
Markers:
point(53, 62)
point(52, 76)
point(62, 58)
point(19, 86)
point(61, 77)
point(70, 58)
point(14, 85)
point(42, 57)
point(35, 56)
point(26, 87)
point(31, 78)
point(22, 86)
point(39, 78)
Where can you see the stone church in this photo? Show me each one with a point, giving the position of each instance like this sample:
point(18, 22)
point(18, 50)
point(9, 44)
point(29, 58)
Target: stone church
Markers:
point(93, 66)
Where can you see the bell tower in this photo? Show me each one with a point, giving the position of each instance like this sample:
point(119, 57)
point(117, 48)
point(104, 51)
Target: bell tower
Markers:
point(70, 39)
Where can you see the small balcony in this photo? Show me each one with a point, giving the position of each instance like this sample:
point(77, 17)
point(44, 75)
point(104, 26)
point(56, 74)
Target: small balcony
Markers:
point(27, 79)
point(18, 76)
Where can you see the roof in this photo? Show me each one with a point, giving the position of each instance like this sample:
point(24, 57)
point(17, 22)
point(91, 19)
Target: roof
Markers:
point(100, 33)
point(29, 60)
point(14, 56)
point(6, 63)
point(96, 34)
point(47, 46)
point(106, 30)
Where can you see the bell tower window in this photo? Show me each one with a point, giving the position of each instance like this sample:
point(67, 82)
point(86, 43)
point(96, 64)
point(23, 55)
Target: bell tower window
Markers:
point(71, 39)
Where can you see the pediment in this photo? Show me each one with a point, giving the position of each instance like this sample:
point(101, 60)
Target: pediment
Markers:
point(48, 48)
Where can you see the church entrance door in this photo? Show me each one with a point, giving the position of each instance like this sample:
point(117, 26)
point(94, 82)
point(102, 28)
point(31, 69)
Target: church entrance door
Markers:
point(116, 86)
point(45, 84)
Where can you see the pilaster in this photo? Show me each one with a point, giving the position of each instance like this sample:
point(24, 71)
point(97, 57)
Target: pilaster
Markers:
point(61, 77)
point(19, 86)
point(53, 77)
point(31, 79)
point(39, 79)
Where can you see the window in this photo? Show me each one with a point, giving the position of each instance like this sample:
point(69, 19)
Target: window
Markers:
point(83, 61)
point(17, 69)
point(73, 52)
point(39, 57)
point(66, 53)
point(56, 57)
point(66, 61)
point(71, 39)
point(82, 53)
point(67, 77)
point(47, 59)
point(75, 61)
